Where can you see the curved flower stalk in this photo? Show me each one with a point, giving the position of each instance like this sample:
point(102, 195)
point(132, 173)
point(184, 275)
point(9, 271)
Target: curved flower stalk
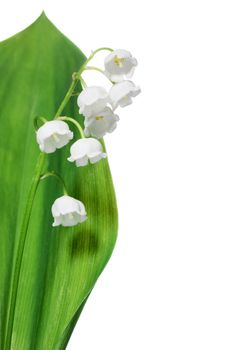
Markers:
point(94, 103)
point(66, 210)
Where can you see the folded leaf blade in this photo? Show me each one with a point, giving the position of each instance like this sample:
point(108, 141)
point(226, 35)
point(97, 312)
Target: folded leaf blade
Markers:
point(60, 266)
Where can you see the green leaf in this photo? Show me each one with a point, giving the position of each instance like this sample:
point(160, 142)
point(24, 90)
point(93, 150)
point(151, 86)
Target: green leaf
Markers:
point(60, 265)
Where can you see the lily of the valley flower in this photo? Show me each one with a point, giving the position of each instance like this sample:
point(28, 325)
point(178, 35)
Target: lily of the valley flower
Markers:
point(92, 100)
point(86, 149)
point(52, 135)
point(99, 125)
point(121, 93)
point(68, 211)
point(119, 64)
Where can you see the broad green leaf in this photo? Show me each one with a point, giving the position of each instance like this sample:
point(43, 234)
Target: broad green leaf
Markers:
point(60, 265)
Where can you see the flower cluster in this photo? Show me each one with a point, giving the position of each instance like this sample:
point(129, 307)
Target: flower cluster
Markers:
point(98, 106)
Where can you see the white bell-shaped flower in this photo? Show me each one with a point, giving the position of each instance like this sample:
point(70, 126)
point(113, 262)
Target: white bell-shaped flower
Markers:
point(86, 149)
point(121, 93)
point(52, 135)
point(92, 100)
point(119, 64)
point(68, 211)
point(99, 125)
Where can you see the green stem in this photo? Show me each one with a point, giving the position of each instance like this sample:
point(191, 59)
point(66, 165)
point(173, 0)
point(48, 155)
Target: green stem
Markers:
point(98, 70)
point(84, 85)
point(57, 176)
point(95, 68)
point(20, 249)
point(36, 121)
point(75, 122)
point(102, 49)
point(66, 99)
point(76, 78)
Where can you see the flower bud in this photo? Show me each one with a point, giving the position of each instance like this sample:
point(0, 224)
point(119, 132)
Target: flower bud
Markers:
point(85, 150)
point(92, 100)
point(52, 135)
point(99, 125)
point(119, 64)
point(121, 93)
point(68, 211)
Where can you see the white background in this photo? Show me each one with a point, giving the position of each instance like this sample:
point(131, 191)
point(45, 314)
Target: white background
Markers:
point(166, 284)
